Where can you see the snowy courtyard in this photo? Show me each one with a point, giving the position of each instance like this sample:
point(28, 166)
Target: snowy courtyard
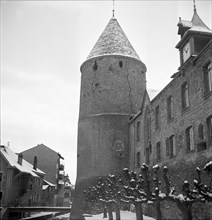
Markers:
point(125, 215)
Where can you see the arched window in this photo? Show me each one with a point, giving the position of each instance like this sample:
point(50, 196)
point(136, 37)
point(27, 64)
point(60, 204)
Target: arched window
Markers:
point(200, 132)
point(184, 94)
point(207, 76)
point(209, 129)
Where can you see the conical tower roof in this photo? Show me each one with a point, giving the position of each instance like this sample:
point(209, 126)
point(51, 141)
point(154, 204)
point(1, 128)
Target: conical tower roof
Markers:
point(113, 41)
point(197, 21)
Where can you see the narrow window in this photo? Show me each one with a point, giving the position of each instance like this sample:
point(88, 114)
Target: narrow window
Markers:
point(120, 64)
point(1, 177)
point(37, 197)
point(200, 132)
point(190, 138)
point(1, 195)
point(185, 98)
point(172, 146)
point(138, 131)
point(147, 155)
point(207, 71)
point(138, 159)
point(209, 129)
point(157, 117)
point(95, 66)
point(167, 147)
point(201, 145)
point(169, 107)
point(158, 151)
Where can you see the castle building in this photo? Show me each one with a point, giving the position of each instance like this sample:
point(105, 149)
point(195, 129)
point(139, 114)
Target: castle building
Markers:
point(113, 82)
point(119, 126)
point(175, 128)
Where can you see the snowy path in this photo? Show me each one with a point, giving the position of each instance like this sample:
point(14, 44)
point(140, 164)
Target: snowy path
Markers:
point(125, 215)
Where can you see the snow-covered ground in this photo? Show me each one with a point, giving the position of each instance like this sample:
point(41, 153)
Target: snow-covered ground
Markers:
point(125, 215)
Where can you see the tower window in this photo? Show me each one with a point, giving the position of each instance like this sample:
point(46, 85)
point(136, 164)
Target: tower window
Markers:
point(95, 66)
point(169, 107)
point(190, 138)
point(121, 64)
point(138, 131)
point(184, 94)
point(157, 117)
point(138, 159)
point(209, 129)
point(207, 71)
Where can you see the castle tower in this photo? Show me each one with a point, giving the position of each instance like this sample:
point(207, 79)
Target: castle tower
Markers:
point(113, 83)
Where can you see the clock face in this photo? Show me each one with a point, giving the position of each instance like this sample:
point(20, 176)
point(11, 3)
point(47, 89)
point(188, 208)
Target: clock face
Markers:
point(186, 51)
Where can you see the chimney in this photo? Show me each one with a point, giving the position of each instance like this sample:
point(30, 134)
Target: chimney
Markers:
point(20, 158)
point(35, 164)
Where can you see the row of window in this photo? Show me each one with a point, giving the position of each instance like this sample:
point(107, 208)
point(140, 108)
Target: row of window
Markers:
point(207, 78)
point(171, 150)
point(189, 135)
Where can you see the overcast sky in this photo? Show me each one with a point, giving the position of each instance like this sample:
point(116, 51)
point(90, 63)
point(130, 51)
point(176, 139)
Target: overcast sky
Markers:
point(43, 44)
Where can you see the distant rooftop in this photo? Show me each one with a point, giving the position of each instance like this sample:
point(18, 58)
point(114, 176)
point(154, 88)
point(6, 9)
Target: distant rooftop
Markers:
point(12, 159)
point(113, 41)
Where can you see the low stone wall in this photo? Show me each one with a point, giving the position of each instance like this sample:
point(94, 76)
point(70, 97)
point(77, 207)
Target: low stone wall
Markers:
point(202, 211)
point(170, 211)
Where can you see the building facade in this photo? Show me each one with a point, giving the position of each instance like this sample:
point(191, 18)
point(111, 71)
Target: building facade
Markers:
point(20, 182)
point(119, 126)
point(175, 128)
point(54, 169)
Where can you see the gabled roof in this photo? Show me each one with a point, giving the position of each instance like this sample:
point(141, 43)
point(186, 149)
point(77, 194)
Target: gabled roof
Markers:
point(12, 160)
point(113, 41)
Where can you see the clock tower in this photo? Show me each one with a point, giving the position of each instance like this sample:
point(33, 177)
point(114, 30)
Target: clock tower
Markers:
point(195, 35)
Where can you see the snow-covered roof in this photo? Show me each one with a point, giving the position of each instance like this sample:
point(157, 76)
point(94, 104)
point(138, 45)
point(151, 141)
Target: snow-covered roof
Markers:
point(113, 41)
point(12, 159)
point(48, 183)
point(44, 187)
point(152, 93)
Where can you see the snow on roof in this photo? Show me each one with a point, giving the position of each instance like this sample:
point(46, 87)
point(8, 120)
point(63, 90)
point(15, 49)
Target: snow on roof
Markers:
point(48, 183)
point(152, 93)
point(185, 23)
point(200, 29)
point(45, 187)
point(113, 41)
point(12, 159)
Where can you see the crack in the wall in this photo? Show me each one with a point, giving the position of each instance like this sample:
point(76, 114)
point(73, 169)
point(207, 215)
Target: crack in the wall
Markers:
point(130, 89)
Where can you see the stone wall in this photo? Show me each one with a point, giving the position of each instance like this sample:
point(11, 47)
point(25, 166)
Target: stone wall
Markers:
point(170, 211)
